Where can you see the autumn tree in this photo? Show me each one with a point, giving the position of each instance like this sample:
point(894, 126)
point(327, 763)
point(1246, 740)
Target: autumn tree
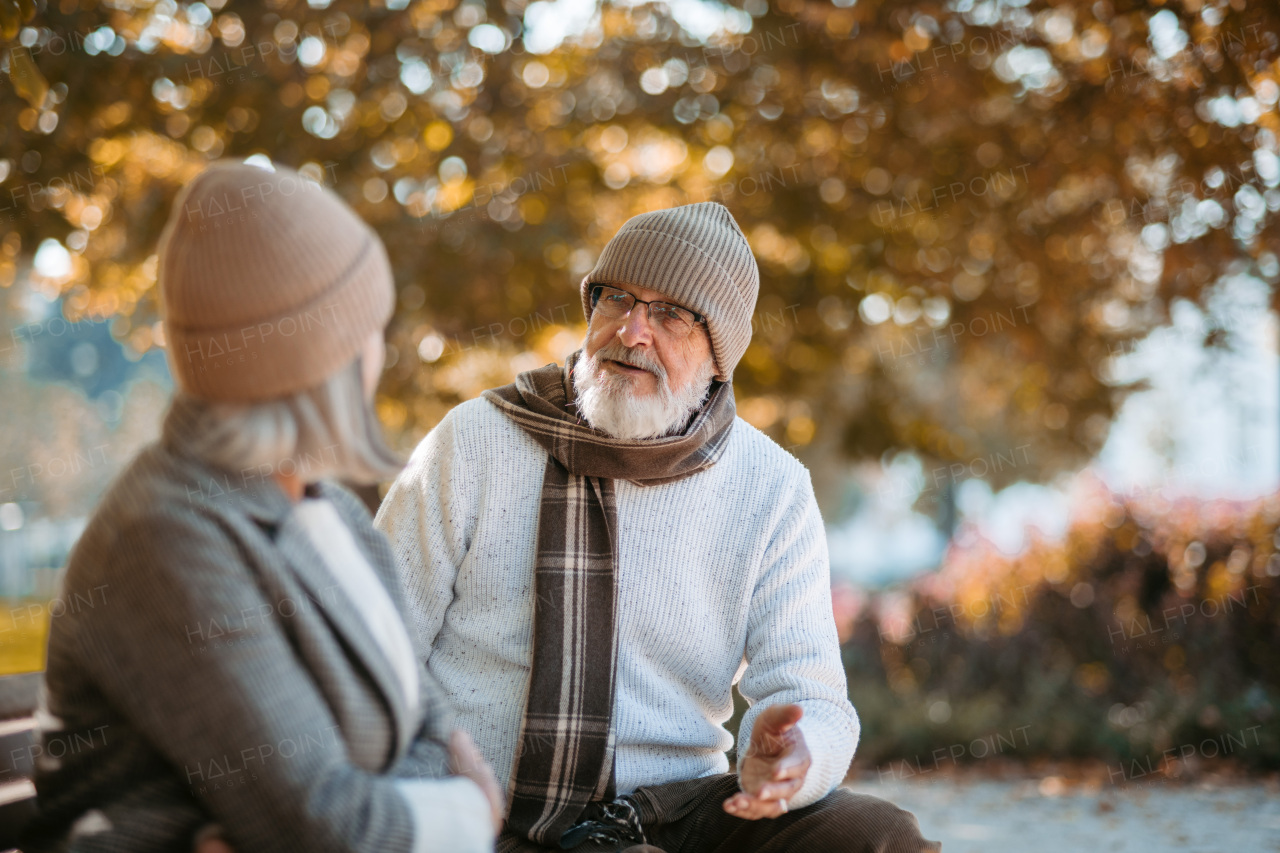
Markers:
point(962, 211)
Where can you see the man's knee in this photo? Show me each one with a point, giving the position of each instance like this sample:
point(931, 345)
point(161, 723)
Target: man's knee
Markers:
point(867, 824)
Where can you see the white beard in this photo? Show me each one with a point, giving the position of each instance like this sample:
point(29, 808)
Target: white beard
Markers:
point(609, 402)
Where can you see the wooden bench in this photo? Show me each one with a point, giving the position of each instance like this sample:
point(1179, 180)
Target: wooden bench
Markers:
point(17, 756)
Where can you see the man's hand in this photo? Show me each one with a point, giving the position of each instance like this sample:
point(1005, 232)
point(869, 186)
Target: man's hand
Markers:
point(466, 760)
point(774, 767)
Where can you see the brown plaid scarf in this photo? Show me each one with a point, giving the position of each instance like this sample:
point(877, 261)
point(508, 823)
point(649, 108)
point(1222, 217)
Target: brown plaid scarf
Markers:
point(567, 744)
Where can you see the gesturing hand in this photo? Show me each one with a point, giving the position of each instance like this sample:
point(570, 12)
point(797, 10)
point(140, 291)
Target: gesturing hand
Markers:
point(466, 760)
point(775, 766)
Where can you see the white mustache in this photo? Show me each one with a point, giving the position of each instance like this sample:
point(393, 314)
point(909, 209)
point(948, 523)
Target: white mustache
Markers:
point(633, 357)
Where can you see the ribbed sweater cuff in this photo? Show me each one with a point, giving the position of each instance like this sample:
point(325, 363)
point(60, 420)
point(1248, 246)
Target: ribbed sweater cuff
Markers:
point(829, 765)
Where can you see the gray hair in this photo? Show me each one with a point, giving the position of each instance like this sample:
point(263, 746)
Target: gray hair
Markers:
point(328, 431)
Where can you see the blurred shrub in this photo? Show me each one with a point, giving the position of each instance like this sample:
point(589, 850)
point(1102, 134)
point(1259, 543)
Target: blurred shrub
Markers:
point(24, 630)
point(1153, 626)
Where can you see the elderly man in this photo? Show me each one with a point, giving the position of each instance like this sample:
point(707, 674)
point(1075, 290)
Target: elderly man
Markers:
point(595, 554)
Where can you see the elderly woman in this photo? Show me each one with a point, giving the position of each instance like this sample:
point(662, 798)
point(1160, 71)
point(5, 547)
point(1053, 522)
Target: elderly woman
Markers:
point(245, 677)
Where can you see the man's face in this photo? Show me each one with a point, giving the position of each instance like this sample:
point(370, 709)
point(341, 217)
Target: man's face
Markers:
point(637, 380)
point(683, 359)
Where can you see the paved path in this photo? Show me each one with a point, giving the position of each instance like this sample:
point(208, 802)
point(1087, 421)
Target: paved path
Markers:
point(1046, 816)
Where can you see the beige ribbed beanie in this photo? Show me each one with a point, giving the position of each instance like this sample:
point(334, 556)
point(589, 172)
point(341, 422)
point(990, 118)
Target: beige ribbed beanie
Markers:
point(697, 256)
point(269, 283)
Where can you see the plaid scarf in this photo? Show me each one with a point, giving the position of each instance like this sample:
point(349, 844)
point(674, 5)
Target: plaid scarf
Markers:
point(567, 742)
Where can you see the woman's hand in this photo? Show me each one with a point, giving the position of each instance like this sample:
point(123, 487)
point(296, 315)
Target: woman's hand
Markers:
point(466, 760)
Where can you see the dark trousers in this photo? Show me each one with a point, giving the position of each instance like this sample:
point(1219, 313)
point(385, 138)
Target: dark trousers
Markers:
point(688, 817)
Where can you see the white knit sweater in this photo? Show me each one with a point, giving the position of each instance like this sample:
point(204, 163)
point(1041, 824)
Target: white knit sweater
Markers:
point(722, 575)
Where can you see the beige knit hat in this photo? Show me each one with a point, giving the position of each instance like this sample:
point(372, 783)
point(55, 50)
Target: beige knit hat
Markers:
point(269, 284)
point(697, 256)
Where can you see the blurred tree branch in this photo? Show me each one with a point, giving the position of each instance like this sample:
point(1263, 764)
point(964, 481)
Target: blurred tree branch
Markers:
point(963, 212)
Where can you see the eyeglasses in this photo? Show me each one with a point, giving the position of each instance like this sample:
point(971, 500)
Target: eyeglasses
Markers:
point(615, 304)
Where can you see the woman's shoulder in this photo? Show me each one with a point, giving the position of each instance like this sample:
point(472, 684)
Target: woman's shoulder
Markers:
point(159, 505)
